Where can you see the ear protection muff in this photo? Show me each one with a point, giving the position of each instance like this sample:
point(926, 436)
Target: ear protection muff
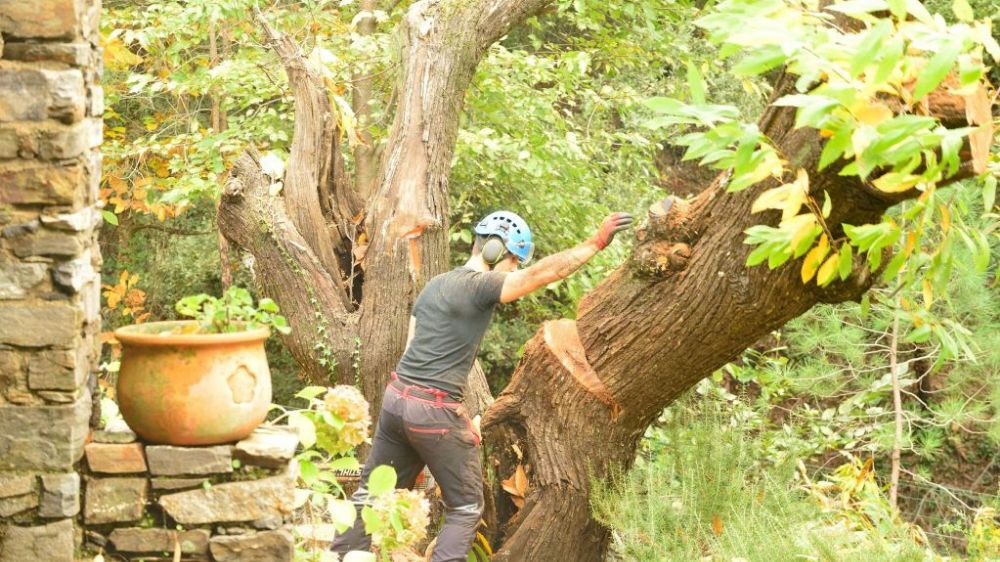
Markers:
point(494, 250)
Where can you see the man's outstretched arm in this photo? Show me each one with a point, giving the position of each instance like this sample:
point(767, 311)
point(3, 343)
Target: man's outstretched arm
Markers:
point(559, 266)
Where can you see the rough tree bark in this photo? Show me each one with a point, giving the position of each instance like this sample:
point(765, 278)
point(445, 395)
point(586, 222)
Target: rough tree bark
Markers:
point(585, 390)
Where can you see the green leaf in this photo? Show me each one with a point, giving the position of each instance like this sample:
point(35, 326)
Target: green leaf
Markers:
point(310, 392)
point(696, 83)
point(661, 104)
point(962, 9)
point(110, 217)
point(835, 147)
point(381, 480)
point(759, 254)
point(870, 46)
point(938, 67)
point(342, 513)
point(267, 305)
point(845, 261)
point(308, 471)
point(760, 61)
point(396, 520)
point(892, 52)
point(989, 193)
point(304, 427)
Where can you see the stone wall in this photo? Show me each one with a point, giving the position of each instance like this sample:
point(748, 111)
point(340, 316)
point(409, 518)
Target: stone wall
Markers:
point(50, 127)
point(226, 503)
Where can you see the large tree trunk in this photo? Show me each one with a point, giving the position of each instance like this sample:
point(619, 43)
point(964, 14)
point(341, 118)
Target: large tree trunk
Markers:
point(682, 306)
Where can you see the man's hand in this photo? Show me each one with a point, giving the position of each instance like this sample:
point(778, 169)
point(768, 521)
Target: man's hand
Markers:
point(613, 224)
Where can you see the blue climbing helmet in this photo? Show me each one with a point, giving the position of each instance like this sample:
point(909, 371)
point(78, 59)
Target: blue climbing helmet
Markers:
point(512, 230)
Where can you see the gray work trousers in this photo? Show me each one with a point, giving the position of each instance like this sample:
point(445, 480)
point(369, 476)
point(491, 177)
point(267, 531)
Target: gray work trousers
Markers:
point(419, 427)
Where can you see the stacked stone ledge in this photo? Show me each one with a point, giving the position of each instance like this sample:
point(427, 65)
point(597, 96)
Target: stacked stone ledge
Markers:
point(220, 503)
point(50, 128)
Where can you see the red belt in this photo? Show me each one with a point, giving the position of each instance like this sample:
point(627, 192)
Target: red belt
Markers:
point(431, 396)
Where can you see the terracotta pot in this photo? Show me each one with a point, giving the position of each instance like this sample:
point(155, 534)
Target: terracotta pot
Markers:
point(192, 389)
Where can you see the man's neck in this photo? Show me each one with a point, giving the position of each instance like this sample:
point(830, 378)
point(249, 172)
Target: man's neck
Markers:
point(476, 263)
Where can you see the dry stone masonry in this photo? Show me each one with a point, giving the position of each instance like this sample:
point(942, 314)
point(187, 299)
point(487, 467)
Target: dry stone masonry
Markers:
point(50, 128)
point(219, 503)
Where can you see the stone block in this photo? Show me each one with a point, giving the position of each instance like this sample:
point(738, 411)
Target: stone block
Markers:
point(57, 396)
point(73, 54)
point(47, 243)
point(10, 143)
point(119, 437)
point(269, 546)
point(268, 446)
point(40, 183)
point(115, 459)
point(233, 502)
point(174, 484)
point(38, 324)
point(59, 142)
point(114, 500)
point(18, 504)
point(23, 228)
point(166, 460)
point(43, 437)
point(83, 220)
point(60, 495)
point(138, 540)
point(16, 485)
point(75, 274)
point(17, 278)
point(56, 369)
point(51, 543)
point(42, 19)
point(96, 101)
point(31, 93)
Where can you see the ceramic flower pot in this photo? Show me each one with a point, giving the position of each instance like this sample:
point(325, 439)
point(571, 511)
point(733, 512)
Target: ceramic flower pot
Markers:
point(182, 388)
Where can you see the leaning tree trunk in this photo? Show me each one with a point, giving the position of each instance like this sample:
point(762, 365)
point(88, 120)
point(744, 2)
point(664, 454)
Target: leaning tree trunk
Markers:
point(683, 305)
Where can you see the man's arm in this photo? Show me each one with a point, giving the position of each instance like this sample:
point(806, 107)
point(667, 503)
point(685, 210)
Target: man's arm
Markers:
point(559, 266)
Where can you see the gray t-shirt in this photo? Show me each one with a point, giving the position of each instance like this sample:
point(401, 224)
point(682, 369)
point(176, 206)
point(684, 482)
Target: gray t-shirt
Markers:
point(452, 312)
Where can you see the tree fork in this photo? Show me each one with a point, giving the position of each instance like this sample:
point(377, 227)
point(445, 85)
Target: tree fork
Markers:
point(286, 268)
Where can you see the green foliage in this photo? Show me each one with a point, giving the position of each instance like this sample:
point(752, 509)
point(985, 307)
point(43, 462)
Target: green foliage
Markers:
point(234, 312)
point(702, 489)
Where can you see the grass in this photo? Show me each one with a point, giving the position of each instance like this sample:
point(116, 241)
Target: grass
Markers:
point(700, 492)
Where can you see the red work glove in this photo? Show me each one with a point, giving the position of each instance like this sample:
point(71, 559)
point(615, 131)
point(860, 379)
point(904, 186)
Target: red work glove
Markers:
point(613, 224)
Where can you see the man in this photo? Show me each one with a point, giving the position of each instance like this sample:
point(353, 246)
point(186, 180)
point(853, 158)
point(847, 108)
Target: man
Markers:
point(422, 421)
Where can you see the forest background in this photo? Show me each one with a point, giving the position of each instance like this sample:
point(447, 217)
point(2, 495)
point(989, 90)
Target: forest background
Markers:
point(796, 433)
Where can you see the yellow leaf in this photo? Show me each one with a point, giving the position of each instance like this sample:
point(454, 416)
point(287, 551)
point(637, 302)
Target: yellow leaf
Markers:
point(803, 231)
point(895, 183)
point(945, 219)
point(928, 294)
point(828, 270)
point(911, 242)
point(814, 258)
point(717, 525)
point(770, 199)
point(874, 114)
